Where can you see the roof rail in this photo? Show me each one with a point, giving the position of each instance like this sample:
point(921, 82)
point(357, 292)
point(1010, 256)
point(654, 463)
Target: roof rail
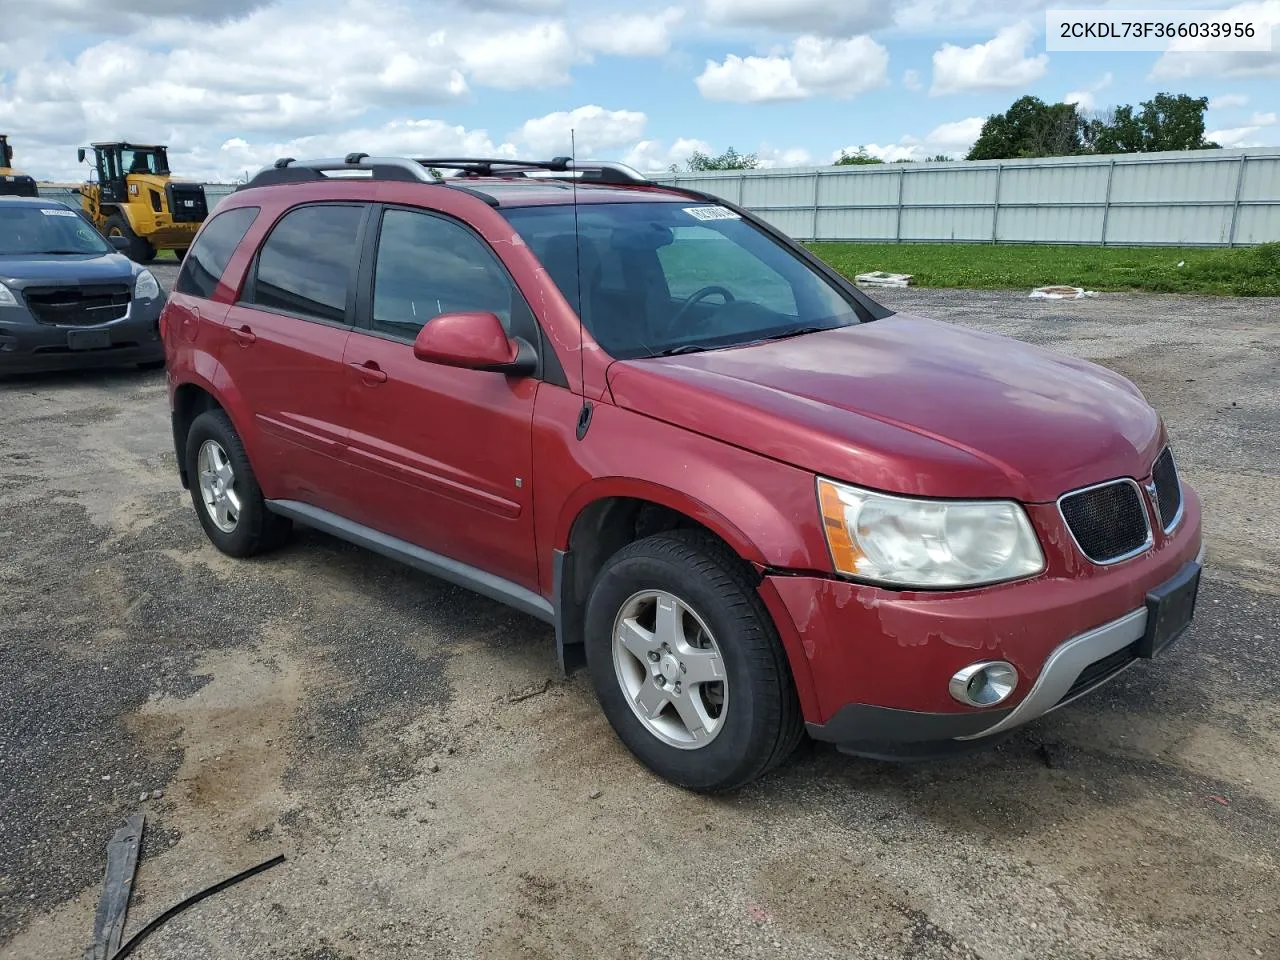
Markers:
point(289, 170)
point(424, 169)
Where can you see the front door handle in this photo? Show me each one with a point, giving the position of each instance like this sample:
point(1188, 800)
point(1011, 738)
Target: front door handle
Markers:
point(370, 372)
point(244, 336)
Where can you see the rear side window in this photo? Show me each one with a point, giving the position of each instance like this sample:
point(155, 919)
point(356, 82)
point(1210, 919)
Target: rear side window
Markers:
point(307, 265)
point(202, 269)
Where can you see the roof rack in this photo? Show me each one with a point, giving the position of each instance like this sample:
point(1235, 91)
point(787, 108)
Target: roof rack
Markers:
point(600, 171)
point(424, 169)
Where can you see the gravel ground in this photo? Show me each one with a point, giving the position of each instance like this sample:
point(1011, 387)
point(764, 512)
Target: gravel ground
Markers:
point(371, 724)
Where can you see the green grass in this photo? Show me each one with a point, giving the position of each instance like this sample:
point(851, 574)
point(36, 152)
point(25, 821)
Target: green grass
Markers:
point(1243, 271)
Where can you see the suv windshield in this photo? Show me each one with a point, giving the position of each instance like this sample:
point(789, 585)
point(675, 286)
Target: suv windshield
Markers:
point(661, 278)
point(27, 231)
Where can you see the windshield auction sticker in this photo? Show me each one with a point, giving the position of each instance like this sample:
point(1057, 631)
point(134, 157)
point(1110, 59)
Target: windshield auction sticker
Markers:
point(56, 213)
point(711, 213)
point(1246, 27)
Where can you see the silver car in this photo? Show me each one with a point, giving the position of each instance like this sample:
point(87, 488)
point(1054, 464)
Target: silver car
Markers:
point(68, 298)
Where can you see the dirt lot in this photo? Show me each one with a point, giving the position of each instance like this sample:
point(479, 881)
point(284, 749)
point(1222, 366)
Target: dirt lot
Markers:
point(370, 723)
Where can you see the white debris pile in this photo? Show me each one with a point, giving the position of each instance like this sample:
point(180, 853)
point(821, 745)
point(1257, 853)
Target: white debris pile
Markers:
point(879, 278)
point(1061, 293)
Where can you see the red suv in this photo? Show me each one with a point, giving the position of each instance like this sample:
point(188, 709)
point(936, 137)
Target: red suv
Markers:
point(754, 500)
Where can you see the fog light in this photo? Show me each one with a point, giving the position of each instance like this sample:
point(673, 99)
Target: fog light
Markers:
point(984, 684)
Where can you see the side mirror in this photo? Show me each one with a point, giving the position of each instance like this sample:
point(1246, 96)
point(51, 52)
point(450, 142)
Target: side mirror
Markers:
point(80, 154)
point(120, 243)
point(474, 341)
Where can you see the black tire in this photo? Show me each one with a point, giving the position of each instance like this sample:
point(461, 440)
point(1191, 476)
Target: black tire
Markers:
point(139, 250)
point(257, 530)
point(181, 254)
point(762, 720)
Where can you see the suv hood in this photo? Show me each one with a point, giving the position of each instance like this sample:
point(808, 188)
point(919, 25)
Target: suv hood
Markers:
point(18, 271)
point(909, 405)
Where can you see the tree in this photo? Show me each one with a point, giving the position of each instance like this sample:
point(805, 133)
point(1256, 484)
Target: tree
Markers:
point(729, 160)
point(1165, 122)
point(858, 157)
point(1030, 128)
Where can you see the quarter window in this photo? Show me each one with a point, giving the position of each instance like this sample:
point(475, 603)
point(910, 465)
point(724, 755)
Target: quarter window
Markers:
point(307, 264)
point(212, 251)
point(427, 266)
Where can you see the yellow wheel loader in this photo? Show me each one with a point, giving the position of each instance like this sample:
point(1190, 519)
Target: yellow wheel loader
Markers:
point(130, 194)
point(13, 183)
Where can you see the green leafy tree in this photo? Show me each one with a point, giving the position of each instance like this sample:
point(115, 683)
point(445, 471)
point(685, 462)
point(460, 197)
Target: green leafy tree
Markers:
point(1165, 122)
point(729, 160)
point(857, 158)
point(1030, 128)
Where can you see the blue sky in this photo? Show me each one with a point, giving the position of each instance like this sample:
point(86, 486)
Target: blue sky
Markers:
point(231, 84)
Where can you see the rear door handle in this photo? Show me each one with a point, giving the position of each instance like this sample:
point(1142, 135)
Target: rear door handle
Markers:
point(244, 336)
point(369, 371)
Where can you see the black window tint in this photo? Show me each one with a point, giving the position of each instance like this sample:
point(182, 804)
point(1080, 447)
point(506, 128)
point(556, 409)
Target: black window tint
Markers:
point(428, 266)
point(209, 256)
point(308, 261)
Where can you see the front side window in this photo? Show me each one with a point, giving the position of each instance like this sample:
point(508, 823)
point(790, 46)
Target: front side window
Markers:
point(307, 265)
point(654, 278)
point(427, 266)
point(30, 230)
point(212, 251)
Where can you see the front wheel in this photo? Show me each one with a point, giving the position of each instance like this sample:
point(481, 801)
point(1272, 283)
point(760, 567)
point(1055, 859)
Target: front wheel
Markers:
point(138, 250)
point(687, 665)
point(225, 492)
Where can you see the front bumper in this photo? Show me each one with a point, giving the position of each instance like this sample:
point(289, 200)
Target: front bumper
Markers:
point(27, 346)
point(879, 662)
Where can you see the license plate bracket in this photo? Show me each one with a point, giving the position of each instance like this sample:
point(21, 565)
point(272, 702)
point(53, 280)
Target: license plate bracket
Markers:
point(88, 339)
point(1170, 608)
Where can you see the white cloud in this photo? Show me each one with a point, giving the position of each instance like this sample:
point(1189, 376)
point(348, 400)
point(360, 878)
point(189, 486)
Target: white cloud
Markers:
point(1267, 119)
point(1190, 59)
point(534, 56)
point(594, 128)
point(1000, 63)
point(632, 35)
point(651, 156)
point(817, 66)
point(1235, 137)
point(911, 80)
point(789, 157)
point(952, 139)
point(1085, 99)
point(1228, 101)
point(828, 18)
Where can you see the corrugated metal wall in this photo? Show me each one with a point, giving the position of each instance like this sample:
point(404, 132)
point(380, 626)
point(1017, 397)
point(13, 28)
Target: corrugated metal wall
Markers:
point(1193, 198)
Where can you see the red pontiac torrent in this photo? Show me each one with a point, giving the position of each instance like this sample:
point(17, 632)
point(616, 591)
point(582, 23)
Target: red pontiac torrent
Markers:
point(754, 501)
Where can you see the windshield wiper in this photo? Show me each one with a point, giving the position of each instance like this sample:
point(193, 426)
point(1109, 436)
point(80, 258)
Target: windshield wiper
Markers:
point(798, 332)
point(54, 253)
point(684, 348)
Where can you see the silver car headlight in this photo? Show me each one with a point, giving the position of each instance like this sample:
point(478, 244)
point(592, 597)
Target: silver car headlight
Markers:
point(905, 542)
point(146, 287)
point(7, 299)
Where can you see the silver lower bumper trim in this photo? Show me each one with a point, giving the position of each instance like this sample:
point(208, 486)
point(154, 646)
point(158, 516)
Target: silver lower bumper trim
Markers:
point(1066, 663)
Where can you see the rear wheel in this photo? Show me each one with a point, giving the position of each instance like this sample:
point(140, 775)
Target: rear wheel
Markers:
point(687, 665)
point(181, 254)
point(225, 492)
point(138, 250)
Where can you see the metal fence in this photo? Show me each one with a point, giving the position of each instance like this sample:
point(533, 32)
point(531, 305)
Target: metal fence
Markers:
point(1192, 198)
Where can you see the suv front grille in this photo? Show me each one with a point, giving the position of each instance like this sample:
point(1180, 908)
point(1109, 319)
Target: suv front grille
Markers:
point(78, 306)
point(1168, 490)
point(1108, 522)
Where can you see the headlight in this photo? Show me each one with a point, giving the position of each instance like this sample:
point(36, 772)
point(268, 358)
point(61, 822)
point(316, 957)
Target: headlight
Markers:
point(904, 542)
point(7, 299)
point(146, 287)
